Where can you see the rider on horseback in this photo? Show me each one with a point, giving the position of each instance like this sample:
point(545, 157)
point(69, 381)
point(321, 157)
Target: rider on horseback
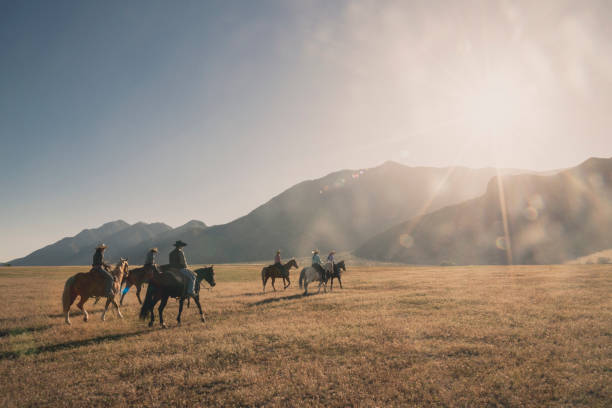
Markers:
point(316, 263)
point(178, 261)
point(330, 262)
point(151, 260)
point(277, 261)
point(102, 268)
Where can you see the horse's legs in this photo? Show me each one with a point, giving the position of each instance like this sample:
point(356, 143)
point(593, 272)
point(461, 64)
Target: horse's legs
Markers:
point(97, 300)
point(73, 296)
point(108, 301)
point(81, 305)
point(178, 317)
point(114, 302)
point(305, 287)
point(197, 300)
point(138, 288)
point(273, 279)
point(288, 282)
point(162, 305)
point(152, 313)
point(331, 284)
point(340, 281)
point(265, 280)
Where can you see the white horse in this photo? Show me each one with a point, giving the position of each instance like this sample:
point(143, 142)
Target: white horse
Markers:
point(311, 274)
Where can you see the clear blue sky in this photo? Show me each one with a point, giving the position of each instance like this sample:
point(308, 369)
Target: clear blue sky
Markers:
point(170, 111)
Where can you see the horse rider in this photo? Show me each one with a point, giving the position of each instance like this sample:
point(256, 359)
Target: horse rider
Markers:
point(277, 261)
point(178, 261)
point(151, 260)
point(316, 263)
point(102, 268)
point(330, 260)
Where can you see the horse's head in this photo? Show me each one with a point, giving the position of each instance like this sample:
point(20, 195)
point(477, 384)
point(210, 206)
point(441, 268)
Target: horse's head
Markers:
point(208, 274)
point(292, 264)
point(122, 267)
point(341, 265)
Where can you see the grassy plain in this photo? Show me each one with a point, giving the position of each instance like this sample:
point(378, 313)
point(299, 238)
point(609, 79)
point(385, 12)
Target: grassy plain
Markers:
point(394, 336)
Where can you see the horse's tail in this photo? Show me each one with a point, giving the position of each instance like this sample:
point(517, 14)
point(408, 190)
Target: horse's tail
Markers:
point(302, 277)
point(148, 303)
point(67, 295)
point(263, 273)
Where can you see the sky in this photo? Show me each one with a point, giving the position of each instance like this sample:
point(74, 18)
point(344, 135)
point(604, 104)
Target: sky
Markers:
point(171, 111)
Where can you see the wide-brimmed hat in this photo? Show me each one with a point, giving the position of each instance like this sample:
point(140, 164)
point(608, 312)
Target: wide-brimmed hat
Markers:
point(332, 252)
point(278, 251)
point(315, 251)
point(153, 250)
point(179, 243)
point(101, 246)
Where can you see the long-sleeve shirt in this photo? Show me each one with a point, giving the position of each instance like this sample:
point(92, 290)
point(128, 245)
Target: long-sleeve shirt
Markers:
point(151, 258)
point(316, 259)
point(177, 258)
point(98, 258)
point(277, 258)
point(330, 258)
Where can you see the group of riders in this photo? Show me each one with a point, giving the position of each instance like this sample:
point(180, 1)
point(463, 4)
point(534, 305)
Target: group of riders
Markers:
point(177, 261)
point(316, 262)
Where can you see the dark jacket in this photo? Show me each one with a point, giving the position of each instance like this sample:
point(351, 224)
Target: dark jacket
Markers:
point(98, 259)
point(177, 258)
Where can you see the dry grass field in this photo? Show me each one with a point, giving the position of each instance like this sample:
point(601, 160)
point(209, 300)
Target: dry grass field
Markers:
point(394, 336)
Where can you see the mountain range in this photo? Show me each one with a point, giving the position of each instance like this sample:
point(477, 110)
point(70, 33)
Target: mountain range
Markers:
point(523, 219)
point(340, 211)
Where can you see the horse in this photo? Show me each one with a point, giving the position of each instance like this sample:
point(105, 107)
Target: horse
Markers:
point(171, 283)
point(311, 274)
point(136, 277)
point(272, 271)
point(338, 268)
point(90, 284)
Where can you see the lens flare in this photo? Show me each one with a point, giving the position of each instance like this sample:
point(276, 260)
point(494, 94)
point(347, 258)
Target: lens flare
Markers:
point(500, 243)
point(406, 240)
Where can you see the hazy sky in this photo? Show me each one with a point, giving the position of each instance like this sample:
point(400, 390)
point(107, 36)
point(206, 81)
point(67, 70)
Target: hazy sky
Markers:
point(170, 111)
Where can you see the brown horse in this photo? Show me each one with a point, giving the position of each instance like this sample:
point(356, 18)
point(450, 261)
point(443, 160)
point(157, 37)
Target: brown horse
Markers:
point(90, 284)
point(272, 271)
point(136, 277)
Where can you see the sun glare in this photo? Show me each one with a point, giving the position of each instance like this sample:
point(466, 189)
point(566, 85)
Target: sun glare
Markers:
point(493, 105)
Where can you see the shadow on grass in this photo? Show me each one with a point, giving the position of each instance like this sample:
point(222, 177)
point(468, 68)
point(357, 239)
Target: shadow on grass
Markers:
point(9, 355)
point(21, 330)
point(277, 299)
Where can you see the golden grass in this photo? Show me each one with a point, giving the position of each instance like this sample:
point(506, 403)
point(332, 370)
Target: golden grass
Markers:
point(395, 336)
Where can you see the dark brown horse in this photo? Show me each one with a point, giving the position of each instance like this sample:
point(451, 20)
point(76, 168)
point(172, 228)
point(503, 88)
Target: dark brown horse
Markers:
point(338, 268)
point(91, 284)
point(171, 283)
point(272, 271)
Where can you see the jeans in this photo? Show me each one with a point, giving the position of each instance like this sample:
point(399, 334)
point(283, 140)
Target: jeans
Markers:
point(190, 278)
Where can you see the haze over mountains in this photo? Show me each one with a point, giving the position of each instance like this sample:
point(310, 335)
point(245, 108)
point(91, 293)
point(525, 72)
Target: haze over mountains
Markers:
point(550, 219)
point(416, 215)
point(340, 211)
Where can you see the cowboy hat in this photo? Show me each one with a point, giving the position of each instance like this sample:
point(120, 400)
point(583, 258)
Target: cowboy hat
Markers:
point(153, 250)
point(179, 243)
point(332, 252)
point(101, 246)
point(278, 251)
point(315, 251)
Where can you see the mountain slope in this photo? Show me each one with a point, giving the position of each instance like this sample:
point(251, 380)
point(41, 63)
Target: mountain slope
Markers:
point(550, 219)
point(187, 232)
point(339, 211)
point(78, 250)
point(63, 250)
